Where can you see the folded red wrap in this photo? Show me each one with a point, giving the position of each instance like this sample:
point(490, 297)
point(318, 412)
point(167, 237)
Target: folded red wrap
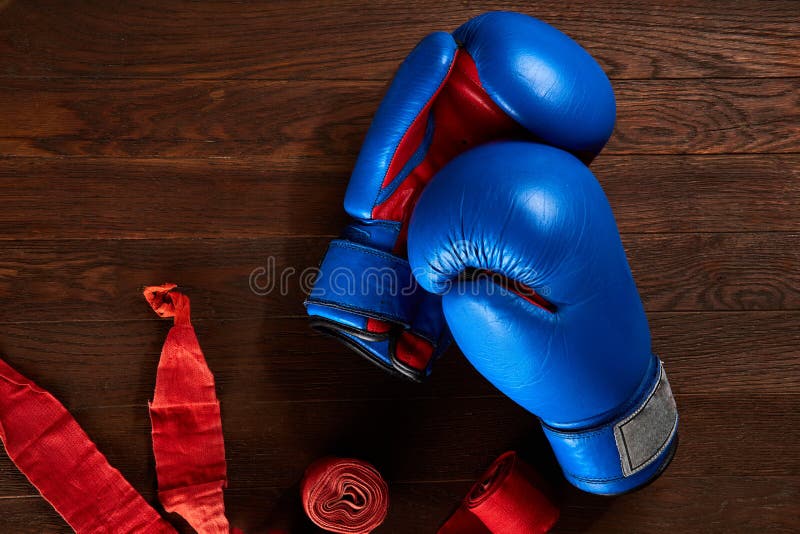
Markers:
point(507, 499)
point(57, 456)
point(53, 451)
point(340, 495)
point(187, 425)
point(344, 495)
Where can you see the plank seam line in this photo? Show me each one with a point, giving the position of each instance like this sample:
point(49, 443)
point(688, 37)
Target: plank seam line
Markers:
point(221, 319)
point(332, 170)
point(246, 239)
point(181, 79)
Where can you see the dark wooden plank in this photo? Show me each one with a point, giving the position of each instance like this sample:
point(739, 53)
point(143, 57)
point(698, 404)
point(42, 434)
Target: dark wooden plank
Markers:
point(114, 363)
point(303, 124)
point(702, 193)
point(122, 198)
point(293, 123)
point(31, 515)
point(713, 504)
point(314, 39)
point(716, 271)
point(740, 504)
point(46, 280)
point(752, 351)
point(260, 197)
point(110, 362)
point(728, 504)
point(706, 116)
point(269, 444)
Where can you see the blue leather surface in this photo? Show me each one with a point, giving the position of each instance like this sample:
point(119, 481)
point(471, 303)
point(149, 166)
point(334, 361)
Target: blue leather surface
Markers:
point(539, 76)
point(364, 280)
point(356, 282)
point(536, 215)
point(377, 234)
point(590, 458)
point(543, 79)
point(416, 81)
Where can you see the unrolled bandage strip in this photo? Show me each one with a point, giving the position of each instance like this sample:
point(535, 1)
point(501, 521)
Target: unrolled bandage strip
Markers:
point(344, 495)
point(187, 425)
point(50, 448)
point(507, 499)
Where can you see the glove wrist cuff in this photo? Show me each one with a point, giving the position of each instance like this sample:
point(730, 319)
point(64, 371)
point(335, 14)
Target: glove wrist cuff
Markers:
point(627, 452)
point(368, 299)
point(366, 281)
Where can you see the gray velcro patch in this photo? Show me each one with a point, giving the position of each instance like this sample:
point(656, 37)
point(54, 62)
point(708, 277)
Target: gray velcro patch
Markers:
point(644, 434)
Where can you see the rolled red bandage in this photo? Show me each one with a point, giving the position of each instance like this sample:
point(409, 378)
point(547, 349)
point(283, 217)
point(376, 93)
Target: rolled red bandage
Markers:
point(507, 499)
point(344, 495)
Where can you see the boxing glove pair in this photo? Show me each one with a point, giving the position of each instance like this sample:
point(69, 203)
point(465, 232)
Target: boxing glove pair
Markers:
point(499, 76)
point(513, 243)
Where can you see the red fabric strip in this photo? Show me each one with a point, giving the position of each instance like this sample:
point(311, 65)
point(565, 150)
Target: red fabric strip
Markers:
point(507, 499)
point(187, 426)
point(49, 447)
point(344, 495)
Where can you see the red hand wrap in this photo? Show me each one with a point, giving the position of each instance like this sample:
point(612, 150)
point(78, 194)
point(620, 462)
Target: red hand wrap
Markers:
point(49, 447)
point(505, 500)
point(187, 426)
point(57, 456)
point(344, 495)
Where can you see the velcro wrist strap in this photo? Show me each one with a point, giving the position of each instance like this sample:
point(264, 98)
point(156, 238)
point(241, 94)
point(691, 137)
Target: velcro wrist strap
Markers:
point(627, 452)
point(357, 284)
point(366, 281)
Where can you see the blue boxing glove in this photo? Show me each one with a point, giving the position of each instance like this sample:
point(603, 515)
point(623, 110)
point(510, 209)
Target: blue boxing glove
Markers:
point(499, 76)
point(520, 240)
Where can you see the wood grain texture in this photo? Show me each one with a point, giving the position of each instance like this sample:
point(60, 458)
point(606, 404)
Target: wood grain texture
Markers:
point(45, 280)
point(736, 271)
point(191, 142)
point(412, 441)
point(307, 39)
point(303, 125)
point(707, 117)
point(282, 359)
point(729, 504)
point(289, 122)
point(412, 445)
point(262, 197)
